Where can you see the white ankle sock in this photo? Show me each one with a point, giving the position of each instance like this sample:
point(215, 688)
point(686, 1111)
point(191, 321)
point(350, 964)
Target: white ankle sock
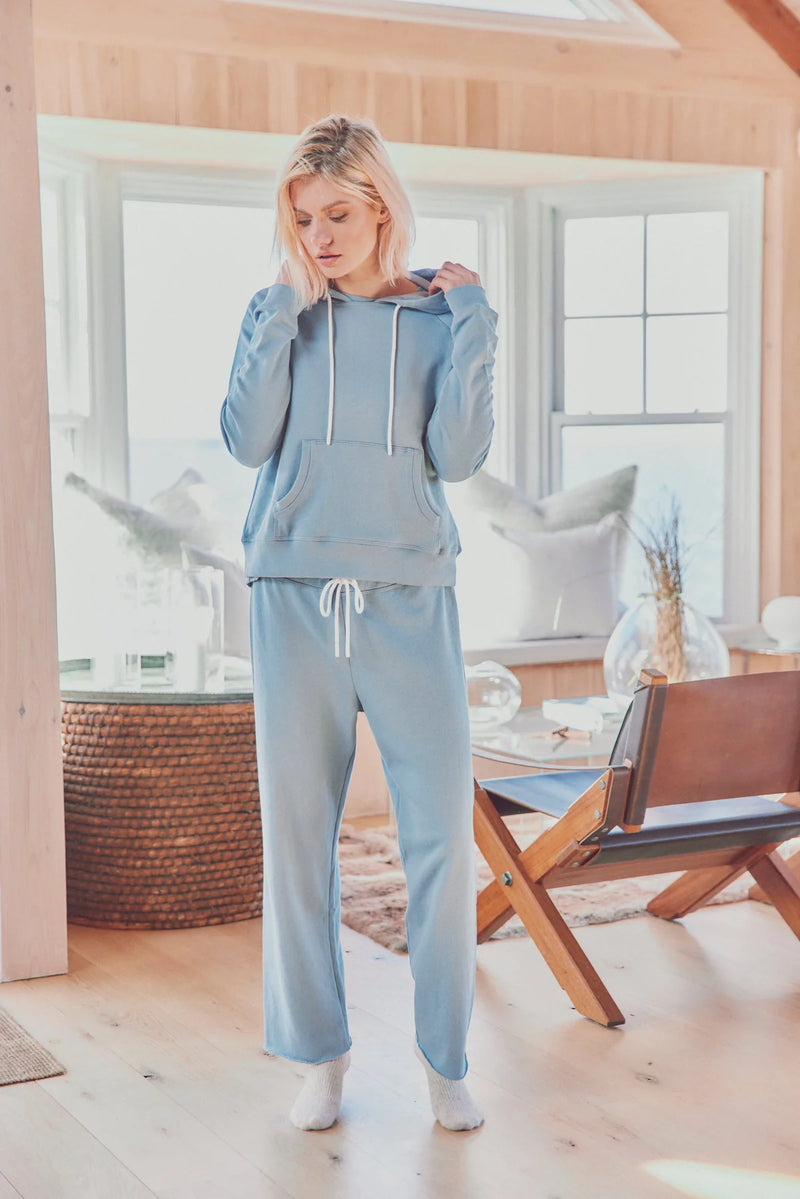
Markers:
point(317, 1105)
point(452, 1104)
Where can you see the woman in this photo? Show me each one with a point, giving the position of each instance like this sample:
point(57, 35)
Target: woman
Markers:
point(356, 388)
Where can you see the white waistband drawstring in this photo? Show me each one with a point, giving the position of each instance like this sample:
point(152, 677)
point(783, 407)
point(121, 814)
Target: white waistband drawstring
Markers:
point(332, 374)
point(337, 586)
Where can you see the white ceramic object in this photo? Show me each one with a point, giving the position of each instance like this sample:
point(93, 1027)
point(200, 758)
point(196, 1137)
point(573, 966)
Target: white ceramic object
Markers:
point(781, 621)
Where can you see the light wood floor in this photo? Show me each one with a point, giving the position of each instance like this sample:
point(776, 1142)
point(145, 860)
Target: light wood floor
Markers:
point(168, 1093)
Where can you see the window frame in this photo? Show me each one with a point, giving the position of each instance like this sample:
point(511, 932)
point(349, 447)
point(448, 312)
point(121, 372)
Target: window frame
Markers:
point(741, 194)
point(69, 176)
point(626, 22)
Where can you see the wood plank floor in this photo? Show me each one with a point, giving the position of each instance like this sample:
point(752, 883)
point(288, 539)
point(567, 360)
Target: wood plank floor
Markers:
point(168, 1093)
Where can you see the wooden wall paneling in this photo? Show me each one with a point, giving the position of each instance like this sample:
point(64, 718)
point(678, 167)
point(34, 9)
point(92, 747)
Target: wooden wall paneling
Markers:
point(397, 106)
point(201, 90)
point(96, 87)
point(525, 117)
point(718, 53)
point(148, 83)
point(641, 123)
point(481, 113)
point(282, 97)
point(52, 75)
point(313, 93)
point(33, 928)
point(444, 111)
point(251, 97)
point(351, 92)
point(573, 119)
point(776, 24)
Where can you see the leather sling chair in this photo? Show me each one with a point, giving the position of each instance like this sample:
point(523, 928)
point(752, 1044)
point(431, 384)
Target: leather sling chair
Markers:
point(703, 779)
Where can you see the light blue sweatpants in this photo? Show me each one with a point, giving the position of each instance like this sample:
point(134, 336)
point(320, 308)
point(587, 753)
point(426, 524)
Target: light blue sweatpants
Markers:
point(405, 671)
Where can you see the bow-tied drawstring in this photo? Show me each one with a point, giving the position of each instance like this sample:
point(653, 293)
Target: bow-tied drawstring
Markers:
point(337, 586)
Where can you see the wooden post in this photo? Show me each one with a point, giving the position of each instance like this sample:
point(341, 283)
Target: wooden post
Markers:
point(33, 923)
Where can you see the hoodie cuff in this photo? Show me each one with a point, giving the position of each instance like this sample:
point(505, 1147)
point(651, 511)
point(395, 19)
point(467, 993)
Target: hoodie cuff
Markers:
point(466, 295)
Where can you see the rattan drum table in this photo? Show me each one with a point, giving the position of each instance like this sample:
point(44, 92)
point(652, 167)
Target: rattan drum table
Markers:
point(163, 826)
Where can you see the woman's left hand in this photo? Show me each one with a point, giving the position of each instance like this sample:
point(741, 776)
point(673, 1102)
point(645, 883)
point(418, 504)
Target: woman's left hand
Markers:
point(452, 274)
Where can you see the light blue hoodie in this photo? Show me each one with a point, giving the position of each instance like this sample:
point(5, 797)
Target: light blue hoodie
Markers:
point(355, 410)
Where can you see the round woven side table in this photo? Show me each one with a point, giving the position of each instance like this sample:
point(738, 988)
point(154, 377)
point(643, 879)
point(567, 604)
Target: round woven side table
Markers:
point(163, 825)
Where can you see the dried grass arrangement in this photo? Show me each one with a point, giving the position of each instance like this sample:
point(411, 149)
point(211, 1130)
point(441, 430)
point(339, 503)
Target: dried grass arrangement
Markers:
point(665, 556)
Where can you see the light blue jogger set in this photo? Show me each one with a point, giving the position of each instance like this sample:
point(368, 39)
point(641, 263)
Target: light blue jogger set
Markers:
point(323, 650)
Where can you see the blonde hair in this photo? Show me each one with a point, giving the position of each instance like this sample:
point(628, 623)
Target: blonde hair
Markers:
point(350, 153)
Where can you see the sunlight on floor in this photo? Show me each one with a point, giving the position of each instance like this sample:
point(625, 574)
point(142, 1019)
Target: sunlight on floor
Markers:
point(704, 1181)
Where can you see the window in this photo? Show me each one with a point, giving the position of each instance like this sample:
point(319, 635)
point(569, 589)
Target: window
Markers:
point(63, 199)
point(190, 268)
point(654, 360)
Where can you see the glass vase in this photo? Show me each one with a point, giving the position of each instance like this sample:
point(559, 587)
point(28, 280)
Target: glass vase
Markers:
point(494, 695)
point(666, 635)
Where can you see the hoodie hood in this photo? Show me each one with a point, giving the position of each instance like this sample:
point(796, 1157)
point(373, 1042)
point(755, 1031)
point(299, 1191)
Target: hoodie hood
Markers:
point(435, 304)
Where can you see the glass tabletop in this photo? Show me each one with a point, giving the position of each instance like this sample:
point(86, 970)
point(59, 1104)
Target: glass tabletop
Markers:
point(531, 740)
point(79, 681)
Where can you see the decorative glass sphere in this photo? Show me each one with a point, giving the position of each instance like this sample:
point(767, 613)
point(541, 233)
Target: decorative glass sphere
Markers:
point(633, 645)
point(494, 695)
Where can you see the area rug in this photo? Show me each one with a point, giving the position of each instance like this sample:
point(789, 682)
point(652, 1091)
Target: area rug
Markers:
point(374, 896)
point(22, 1058)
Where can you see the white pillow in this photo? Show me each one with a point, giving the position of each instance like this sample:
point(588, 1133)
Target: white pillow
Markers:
point(519, 585)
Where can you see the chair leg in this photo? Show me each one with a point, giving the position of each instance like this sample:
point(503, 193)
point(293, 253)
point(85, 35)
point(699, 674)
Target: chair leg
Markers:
point(559, 948)
point(696, 887)
point(780, 884)
point(538, 913)
point(758, 893)
point(494, 910)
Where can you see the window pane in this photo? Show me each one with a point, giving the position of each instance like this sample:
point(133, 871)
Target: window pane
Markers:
point(603, 266)
point(685, 459)
point(603, 365)
point(442, 238)
point(190, 270)
point(687, 363)
point(687, 262)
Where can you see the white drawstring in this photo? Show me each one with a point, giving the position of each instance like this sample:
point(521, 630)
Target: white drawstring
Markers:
point(332, 374)
point(330, 369)
point(391, 378)
point(337, 586)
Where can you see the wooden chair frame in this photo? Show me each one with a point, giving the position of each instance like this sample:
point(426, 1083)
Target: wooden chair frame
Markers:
point(680, 744)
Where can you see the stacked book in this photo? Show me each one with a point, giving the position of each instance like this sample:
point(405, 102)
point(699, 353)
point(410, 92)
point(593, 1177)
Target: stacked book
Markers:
point(589, 714)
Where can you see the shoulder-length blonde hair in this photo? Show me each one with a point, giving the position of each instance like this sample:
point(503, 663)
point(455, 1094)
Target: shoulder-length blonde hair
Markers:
point(350, 153)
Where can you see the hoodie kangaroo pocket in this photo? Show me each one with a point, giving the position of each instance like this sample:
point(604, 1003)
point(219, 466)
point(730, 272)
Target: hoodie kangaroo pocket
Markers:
point(355, 491)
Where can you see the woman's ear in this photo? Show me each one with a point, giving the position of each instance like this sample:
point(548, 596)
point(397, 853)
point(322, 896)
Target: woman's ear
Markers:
point(383, 215)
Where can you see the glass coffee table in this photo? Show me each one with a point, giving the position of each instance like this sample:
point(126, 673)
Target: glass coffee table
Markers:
point(532, 742)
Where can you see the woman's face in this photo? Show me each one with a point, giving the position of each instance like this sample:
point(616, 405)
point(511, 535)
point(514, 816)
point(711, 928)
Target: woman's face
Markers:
point(338, 230)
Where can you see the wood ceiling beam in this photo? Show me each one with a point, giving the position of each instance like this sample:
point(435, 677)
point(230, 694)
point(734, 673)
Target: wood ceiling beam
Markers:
point(776, 24)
